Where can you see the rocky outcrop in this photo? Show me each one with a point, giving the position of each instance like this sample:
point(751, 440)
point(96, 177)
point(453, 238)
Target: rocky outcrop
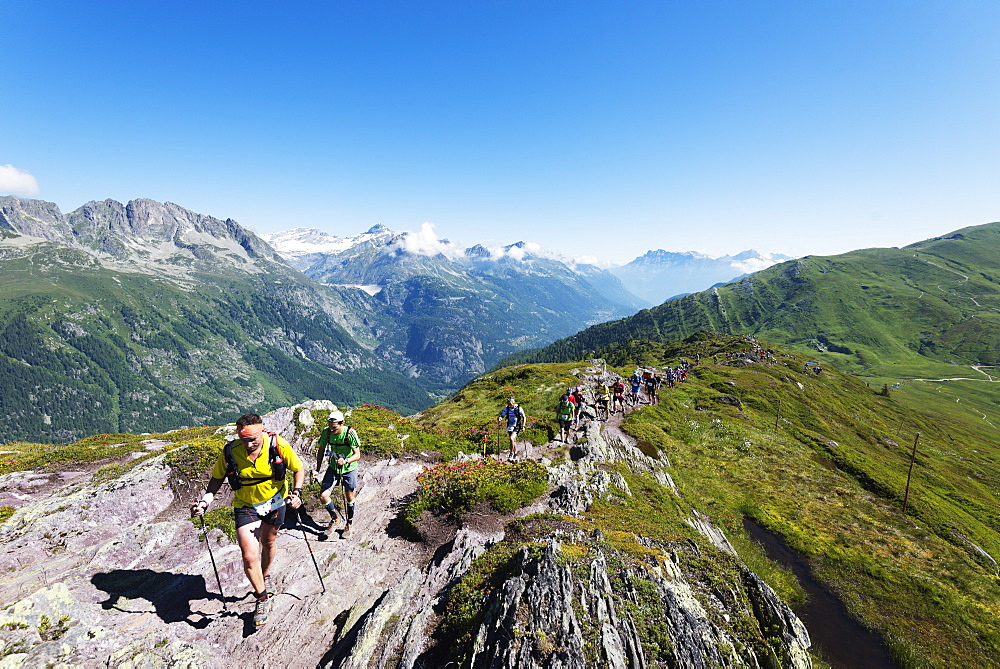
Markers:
point(34, 218)
point(571, 600)
point(113, 573)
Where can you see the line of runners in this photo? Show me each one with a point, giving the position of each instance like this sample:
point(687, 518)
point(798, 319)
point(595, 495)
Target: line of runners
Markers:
point(256, 462)
point(607, 399)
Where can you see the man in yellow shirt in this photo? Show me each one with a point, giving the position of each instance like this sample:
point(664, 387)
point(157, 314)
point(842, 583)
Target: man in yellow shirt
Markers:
point(255, 465)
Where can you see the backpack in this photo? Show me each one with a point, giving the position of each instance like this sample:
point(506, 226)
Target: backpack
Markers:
point(278, 466)
point(565, 411)
point(344, 435)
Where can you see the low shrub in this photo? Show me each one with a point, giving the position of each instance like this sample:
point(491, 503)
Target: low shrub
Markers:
point(454, 488)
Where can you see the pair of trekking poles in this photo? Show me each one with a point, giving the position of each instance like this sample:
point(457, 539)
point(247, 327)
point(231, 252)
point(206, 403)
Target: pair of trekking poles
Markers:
point(218, 581)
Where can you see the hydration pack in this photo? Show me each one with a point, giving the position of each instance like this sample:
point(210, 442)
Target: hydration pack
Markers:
point(278, 466)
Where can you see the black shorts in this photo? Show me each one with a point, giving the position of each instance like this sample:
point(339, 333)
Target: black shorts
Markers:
point(244, 515)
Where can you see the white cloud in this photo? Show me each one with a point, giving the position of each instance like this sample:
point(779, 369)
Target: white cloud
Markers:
point(751, 265)
point(519, 251)
point(595, 261)
point(17, 182)
point(426, 243)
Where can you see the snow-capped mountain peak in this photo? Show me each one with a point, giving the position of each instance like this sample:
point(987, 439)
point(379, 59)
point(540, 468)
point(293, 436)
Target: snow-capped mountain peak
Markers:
point(298, 242)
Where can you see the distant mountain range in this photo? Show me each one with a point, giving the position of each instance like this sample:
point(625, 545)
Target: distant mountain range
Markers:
point(454, 311)
point(934, 300)
point(661, 275)
point(145, 316)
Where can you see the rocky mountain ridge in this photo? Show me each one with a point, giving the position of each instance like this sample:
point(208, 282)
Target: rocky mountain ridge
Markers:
point(135, 586)
point(160, 316)
point(456, 311)
point(146, 315)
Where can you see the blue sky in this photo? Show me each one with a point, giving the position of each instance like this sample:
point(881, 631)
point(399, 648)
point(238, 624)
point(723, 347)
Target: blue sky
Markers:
point(591, 128)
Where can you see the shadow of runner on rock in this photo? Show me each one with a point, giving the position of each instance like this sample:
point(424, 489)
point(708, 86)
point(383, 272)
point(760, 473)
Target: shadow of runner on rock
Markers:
point(299, 519)
point(170, 594)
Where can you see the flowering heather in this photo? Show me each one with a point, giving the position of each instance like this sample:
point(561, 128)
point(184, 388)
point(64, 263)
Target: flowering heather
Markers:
point(457, 487)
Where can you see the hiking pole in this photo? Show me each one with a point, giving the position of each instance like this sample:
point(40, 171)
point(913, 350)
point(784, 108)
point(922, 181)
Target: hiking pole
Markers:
point(204, 534)
point(311, 554)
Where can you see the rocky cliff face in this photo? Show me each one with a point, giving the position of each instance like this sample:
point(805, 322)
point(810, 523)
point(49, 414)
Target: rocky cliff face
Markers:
point(33, 217)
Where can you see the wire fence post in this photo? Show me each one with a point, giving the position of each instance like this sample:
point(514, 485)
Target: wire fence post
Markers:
point(909, 475)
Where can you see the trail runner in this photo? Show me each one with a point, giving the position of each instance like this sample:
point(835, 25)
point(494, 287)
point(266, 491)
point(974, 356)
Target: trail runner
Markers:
point(344, 447)
point(258, 499)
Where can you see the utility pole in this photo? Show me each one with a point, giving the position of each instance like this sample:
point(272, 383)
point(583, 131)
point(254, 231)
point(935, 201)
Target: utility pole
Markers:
point(913, 457)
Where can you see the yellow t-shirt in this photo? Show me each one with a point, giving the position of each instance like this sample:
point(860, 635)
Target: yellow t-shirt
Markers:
point(259, 468)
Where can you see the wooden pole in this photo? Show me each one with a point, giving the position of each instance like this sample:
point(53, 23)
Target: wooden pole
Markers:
point(777, 415)
point(913, 457)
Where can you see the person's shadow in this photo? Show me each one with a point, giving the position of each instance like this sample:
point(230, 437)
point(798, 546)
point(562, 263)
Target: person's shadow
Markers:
point(170, 594)
point(300, 519)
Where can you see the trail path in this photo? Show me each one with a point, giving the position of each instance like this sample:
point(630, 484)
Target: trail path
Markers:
point(979, 368)
point(125, 565)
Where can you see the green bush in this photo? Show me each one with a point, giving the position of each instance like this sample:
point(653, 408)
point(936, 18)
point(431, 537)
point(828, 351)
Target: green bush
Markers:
point(454, 488)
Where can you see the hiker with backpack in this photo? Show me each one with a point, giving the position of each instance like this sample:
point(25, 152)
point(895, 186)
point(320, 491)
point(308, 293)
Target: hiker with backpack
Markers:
point(635, 382)
point(564, 414)
point(618, 395)
point(603, 395)
point(514, 416)
point(343, 447)
point(578, 400)
point(652, 384)
point(255, 464)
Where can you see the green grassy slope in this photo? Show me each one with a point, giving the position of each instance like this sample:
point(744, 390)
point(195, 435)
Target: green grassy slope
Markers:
point(938, 300)
point(822, 461)
point(84, 349)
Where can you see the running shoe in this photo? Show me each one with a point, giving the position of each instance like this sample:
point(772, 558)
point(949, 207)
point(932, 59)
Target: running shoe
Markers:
point(262, 610)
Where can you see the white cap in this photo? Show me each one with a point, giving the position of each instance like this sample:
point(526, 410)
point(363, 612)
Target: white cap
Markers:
point(336, 416)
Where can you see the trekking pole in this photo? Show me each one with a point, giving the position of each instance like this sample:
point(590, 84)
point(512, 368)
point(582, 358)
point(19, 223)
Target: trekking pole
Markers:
point(204, 534)
point(311, 554)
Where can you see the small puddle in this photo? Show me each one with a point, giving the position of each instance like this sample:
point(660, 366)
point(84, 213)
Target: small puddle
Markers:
point(840, 640)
